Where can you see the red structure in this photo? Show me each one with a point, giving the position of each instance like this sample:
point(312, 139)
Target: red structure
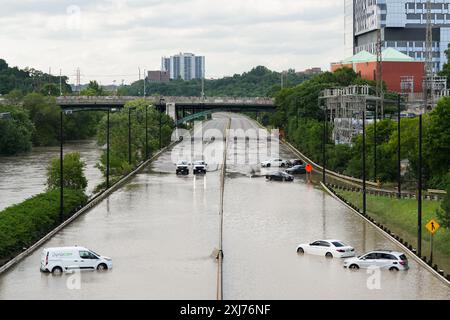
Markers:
point(396, 66)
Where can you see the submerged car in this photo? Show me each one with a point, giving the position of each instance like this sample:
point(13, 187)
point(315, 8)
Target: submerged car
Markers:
point(274, 163)
point(200, 167)
point(383, 259)
point(327, 248)
point(300, 169)
point(58, 260)
point(182, 167)
point(294, 162)
point(280, 176)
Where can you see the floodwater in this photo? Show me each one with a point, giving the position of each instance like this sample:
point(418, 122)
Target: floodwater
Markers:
point(162, 230)
point(24, 176)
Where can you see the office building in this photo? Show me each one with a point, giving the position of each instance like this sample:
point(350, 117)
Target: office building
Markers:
point(402, 24)
point(185, 66)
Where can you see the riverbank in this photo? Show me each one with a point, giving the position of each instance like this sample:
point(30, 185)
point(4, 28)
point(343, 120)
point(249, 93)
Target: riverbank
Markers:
point(24, 176)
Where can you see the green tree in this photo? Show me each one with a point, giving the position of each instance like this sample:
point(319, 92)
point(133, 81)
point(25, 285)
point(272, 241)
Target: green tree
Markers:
point(93, 89)
point(74, 177)
point(44, 113)
point(15, 131)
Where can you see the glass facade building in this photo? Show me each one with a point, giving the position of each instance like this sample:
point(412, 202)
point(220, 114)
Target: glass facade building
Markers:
point(186, 66)
point(402, 24)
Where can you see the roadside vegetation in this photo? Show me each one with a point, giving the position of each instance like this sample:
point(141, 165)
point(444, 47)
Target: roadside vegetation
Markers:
point(401, 217)
point(23, 224)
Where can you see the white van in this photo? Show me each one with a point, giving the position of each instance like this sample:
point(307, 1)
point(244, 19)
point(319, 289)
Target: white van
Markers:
point(57, 260)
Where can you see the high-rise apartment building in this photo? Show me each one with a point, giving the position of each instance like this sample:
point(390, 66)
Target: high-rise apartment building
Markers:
point(402, 24)
point(186, 66)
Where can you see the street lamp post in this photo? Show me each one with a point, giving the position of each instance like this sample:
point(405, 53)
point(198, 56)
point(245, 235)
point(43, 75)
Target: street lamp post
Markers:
point(107, 149)
point(61, 168)
point(375, 168)
point(419, 196)
point(399, 163)
point(364, 162)
point(324, 142)
point(146, 133)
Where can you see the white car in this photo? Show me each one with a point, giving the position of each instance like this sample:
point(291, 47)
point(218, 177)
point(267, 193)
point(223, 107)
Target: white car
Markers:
point(58, 260)
point(383, 259)
point(274, 163)
point(182, 167)
point(200, 167)
point(327, 248)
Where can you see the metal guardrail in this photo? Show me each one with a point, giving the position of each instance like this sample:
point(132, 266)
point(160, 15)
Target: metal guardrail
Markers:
point(373, 187)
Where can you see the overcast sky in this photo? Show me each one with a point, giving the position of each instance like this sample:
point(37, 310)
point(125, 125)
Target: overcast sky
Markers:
point(109, 39)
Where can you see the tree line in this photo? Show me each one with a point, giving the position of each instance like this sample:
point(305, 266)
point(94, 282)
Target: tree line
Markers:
point(258, 82)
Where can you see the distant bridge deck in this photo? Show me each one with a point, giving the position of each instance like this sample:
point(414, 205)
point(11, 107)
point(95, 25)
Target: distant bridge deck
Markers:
point(228, 103)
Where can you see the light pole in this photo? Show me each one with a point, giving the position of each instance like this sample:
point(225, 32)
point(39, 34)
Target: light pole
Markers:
point(419, 197)
point(399, 163)
point(61, 167)
point(375, 168)
point(107, 148)
point(364, 162)
point(324, 142)
point(146, 132)
point(145, 80)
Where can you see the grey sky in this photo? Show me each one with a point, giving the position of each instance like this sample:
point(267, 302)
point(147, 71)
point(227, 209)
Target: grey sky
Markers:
point(110, 39)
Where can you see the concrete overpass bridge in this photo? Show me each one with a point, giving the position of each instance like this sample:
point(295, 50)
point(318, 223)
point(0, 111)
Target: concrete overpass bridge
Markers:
point(179, 108)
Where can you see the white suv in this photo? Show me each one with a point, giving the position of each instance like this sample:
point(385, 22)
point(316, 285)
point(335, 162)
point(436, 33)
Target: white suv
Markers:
point(383, 259)
point(274, 163)
point(200, 167)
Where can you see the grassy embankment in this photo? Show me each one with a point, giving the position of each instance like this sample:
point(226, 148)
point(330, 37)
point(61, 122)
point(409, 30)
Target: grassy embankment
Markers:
point(401, 217)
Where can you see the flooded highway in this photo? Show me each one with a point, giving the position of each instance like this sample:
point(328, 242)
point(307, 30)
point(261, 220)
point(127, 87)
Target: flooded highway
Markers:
point(24, 176)
point(162, 231)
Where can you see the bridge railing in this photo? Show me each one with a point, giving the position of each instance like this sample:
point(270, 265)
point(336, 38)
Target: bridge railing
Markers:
point(169, 99)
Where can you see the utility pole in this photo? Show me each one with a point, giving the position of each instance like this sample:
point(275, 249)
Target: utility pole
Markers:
point(380, 95)
point(324, 143)
point(428, 82)
point(60, 82)
point(399, 159)
point(61, 168)
point(107, 149)
point(364, 163)
point(419, 187)
point(145, 80)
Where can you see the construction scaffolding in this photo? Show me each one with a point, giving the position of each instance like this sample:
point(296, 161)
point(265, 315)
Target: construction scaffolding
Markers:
point(345, 109)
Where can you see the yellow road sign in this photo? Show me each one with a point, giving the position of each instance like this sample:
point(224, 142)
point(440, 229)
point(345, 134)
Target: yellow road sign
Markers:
point(433, 226)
